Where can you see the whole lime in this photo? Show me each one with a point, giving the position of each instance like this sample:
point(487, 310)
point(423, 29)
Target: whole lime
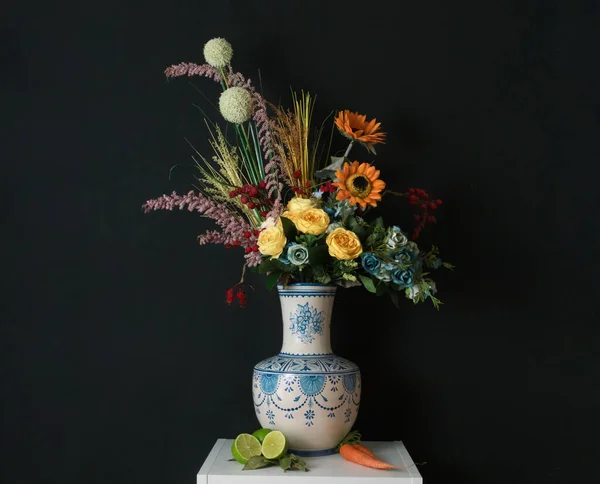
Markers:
point(260, 434)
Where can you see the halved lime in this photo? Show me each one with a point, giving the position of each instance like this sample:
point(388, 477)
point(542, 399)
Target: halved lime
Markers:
point(260, 434)
point(245, 446)
point(274, 445)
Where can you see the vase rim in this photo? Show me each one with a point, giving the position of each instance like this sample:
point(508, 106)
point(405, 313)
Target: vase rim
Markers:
point(279, 284)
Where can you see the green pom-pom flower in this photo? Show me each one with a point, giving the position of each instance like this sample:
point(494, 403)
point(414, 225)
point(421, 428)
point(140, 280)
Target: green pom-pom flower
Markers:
point(235, 105)
point(218, 52)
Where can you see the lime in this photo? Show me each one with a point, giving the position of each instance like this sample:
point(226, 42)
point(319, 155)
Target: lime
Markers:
point(245, 446)
point(274, 445)
point(260, 434)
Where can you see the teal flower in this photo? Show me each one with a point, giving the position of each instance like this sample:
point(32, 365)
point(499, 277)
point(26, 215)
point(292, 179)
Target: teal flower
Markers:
point(370, 262)
point(395, 238)
point(404, 257)
point(404, 278)
point(297, 254)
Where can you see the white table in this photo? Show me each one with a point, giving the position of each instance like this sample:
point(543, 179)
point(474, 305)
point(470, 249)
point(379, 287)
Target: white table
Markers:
point(331, 469)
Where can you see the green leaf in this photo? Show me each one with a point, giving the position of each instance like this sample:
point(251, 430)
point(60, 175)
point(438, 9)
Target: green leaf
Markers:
point(272, 279)
point(289, 229)
point(395, 299)
point(318, 256)
point(381, 288)
point(268, 266)
point(329, 171)
point(258, 462)
point(358, 229)
point(298, 463)
point(368, 283)
point(351, 438)
point(301, 466)
point(378, 223)
point(285, 463)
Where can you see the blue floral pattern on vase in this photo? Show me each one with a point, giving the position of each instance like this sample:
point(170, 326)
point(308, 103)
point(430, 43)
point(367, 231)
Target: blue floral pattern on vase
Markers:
point(309, 415)
point(312, 384)
point(306, 322)
point(312, 390)
point(269, 383)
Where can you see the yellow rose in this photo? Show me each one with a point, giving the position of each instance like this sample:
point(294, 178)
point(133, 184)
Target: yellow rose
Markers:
point(312, 221)
point(343, 244)
point(290, 215)
point(298, 204)
point(271, 241)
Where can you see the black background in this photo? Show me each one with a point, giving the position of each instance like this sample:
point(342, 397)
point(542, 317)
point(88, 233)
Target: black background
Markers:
point(120, 360)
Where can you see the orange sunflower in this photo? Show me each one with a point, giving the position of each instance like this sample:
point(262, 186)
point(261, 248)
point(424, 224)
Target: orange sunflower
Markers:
point(354, 126)
point(360, 183)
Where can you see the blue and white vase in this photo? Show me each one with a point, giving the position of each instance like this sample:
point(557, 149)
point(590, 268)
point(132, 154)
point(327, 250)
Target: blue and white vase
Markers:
point(305, 391)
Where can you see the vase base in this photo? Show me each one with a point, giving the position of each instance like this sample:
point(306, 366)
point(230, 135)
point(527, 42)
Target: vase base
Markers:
point(312, 453)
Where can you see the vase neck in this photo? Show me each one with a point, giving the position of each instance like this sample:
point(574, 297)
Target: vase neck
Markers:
point(306, 311)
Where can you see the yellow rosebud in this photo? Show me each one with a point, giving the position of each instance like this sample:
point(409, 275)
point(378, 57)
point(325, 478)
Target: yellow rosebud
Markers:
point(298, 204)
point(312, 221)
point(343, 244)
point(271, 241)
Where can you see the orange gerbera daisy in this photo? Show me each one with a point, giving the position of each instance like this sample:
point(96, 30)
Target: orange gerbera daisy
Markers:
point(354, 126)
point(360, 183)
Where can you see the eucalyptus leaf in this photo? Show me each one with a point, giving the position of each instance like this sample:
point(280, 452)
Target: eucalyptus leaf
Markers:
point(358, 229)
point(346, 283)
point(329, 171)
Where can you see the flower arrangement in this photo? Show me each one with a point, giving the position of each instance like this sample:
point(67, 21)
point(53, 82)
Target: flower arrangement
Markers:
point(296, 217)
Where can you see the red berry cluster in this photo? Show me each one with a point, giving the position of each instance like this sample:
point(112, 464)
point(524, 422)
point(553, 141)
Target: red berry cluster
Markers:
point(421, 199)
point(247, 235)
point(238, 293)
point(253, 196)
point(328, 187)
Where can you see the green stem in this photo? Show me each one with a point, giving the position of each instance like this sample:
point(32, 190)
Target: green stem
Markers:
point(224, 83)
point(254, 134)
point(251, 161)
point(246, 157)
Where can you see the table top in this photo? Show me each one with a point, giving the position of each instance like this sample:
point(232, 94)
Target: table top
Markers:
point(331, 469)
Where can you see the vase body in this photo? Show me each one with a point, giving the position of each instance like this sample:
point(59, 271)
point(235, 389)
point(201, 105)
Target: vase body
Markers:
point(307, 392)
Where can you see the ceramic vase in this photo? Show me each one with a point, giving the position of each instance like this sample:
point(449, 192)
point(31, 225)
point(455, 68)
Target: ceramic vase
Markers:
point(307, 392)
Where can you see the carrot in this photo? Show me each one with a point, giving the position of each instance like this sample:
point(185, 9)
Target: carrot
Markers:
point(353, 454)
point(364, 449)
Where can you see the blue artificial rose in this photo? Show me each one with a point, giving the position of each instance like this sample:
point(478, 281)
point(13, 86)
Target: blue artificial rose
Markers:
point(297, 254)
point(436, 264)
point(404, 257)
point(395, 238)
point(383, 274)
point(404, 278)
point(370, 262)
point(283, 258)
